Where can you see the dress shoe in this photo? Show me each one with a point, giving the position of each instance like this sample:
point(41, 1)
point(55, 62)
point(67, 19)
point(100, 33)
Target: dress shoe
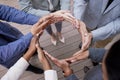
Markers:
point(54, 42)
point(62, 40)
point(34, 69)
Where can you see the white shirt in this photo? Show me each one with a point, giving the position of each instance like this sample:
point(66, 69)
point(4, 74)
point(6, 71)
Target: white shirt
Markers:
point(20, 66)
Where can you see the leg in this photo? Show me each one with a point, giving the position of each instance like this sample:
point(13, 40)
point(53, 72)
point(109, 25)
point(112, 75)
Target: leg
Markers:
point(59, 28)
point(52, 35)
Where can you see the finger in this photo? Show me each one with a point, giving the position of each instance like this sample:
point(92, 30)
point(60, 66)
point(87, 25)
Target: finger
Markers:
point(38, 48)
point(49, 56)
point(42, 26)
point(71, 60)
point(77, 53)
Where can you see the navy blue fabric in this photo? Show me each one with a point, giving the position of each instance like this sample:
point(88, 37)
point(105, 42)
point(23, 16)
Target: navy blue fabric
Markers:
point(71, 77)
point(12, 42)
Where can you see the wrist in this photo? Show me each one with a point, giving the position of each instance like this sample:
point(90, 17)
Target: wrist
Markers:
point(67, 72)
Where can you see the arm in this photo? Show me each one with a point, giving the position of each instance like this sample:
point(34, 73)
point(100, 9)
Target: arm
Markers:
point(49, 73)
point(20, 66)
point(17, 70)
point(79, 8)
point(14, 48)
point(107, 31)
point(13, 15)
point(97, 54)
point(26, 6)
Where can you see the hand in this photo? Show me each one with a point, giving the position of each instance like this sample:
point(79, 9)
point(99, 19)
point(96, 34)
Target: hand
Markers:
point(78, 56)
point(86, 37)
point(42, 58)
point(52, 18)
point(63, 64)
point(86, 41)
point(31, 50)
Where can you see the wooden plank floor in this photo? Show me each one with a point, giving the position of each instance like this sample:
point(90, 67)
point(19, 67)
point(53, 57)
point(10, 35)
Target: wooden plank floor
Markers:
point(60, 51)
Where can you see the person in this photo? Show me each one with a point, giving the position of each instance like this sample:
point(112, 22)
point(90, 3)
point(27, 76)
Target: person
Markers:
point(100, 18)
point(21, 65)
point(12, 42)
point(44, 7)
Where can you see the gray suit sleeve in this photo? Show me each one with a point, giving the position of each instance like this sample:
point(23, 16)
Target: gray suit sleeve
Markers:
point(71, 77)
point(96, 54)
point(107, 31)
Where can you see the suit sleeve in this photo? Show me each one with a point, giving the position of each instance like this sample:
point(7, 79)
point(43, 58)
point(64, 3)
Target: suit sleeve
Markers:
point(13, 15)
point(16, 70)
point(107, 31)
point(14, 48)
point(71, 77)
point(97, 54)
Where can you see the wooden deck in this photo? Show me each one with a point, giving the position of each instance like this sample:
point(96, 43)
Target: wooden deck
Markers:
point(72, 39)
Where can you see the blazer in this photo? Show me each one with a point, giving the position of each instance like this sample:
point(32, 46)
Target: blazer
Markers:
point(104, 22)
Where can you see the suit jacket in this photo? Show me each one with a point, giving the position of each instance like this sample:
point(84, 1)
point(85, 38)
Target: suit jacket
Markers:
point(104, 22)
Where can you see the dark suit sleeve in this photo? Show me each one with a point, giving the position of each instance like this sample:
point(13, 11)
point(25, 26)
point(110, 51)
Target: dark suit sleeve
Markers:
point(7, 52)
point(97, 54)
point(13, 15)
point(71, 77)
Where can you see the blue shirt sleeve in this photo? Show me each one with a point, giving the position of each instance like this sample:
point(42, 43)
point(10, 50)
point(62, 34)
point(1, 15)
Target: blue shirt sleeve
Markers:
point(14, 48)
point(13, 15)
point(97, 54)
point(71, 77)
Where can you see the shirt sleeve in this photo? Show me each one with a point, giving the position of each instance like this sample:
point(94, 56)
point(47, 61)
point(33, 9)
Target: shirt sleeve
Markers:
point(97, 54)
point(16, 70)
point(50, 75)
point(107, 31)
point(13, 15)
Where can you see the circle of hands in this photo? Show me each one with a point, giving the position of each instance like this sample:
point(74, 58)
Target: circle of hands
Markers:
point(64, 64)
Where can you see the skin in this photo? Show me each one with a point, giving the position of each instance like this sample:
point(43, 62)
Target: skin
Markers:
point(32, 47)
point(80, 55)
point(42, 58)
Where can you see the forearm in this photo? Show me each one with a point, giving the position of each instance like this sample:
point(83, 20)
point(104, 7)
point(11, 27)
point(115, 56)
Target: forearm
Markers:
point(107, 31)
point(17, 47)
point(13, 15)
point(16, 70)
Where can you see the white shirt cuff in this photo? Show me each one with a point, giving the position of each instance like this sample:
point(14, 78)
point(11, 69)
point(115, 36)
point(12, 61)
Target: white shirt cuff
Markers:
point(50, 75)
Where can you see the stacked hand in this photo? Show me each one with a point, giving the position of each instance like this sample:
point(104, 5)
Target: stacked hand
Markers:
point(56, 17)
